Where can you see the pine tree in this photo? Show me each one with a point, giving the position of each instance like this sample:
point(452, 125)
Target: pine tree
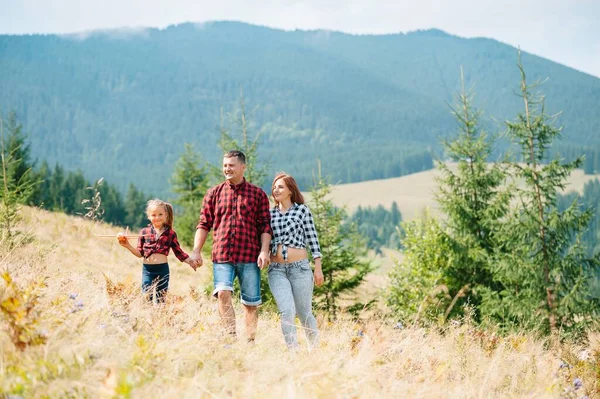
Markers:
point(41, 196)
point(14, 192)
point(135, 207)
point(474, 202)
point(343, 251)
point(19, 169)
point(190, 183)
point(255, 172)
point(56, 188)
point(541, 263)
point(112, 204)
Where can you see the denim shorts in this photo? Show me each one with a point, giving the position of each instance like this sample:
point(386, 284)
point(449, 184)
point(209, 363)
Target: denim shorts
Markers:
point(155, 277)
point(248, 275)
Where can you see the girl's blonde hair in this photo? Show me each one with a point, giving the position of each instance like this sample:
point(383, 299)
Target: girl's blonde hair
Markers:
point(153, 203)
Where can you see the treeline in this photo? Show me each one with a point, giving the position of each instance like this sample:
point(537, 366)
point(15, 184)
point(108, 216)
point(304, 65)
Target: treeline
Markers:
point(54, 189)
point(374, 163)
point(70, 192)
point(590, 199)
point(379, 226)
point(591, 156)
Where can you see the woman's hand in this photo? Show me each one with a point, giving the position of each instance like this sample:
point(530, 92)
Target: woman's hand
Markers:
point(319, 278)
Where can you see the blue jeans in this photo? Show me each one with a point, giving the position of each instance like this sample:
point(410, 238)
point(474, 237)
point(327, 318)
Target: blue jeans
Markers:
point(155, 281)
point(248, 275)
point(292, 286)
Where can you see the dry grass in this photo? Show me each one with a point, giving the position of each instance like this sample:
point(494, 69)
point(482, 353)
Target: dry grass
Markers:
point(413, 193)
point(103, 341)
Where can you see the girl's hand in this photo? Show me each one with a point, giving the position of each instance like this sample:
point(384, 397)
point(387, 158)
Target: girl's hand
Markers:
point(319, 277)
point(123, 241)
point(192, 262)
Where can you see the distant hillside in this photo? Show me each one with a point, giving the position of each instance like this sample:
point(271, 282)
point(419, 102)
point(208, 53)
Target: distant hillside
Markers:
point(413, 193)
point(120, 104)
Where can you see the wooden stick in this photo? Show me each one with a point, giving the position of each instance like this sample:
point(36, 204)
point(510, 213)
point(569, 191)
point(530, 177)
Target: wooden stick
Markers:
point(115, 236)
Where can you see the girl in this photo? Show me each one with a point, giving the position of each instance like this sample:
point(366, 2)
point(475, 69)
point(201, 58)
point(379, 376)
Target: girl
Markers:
point(290, 276)
point(154, 243)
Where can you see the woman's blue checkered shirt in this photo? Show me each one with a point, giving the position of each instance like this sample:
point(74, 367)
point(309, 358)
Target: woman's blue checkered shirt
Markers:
point(294, 228)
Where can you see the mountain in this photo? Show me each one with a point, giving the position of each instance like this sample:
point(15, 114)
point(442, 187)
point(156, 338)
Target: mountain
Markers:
point(120, 104)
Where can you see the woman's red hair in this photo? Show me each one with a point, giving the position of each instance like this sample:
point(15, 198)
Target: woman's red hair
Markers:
point(291, 184)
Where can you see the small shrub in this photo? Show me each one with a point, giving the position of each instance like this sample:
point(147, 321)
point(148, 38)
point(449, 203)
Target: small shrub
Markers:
point(20, 310)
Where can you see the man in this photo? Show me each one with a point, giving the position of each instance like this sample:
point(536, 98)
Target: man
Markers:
point(238, 213)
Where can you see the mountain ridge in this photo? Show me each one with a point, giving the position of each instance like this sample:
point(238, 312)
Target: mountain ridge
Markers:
point(368, 106)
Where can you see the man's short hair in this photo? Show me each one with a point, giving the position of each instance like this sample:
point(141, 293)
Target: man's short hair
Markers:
point(236, 153)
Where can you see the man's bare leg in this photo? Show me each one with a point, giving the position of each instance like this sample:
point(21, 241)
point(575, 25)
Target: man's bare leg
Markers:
point(251, 313)
point(226, 311)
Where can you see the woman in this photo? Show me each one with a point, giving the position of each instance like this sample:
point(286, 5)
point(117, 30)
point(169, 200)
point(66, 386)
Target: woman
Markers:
point(290, 276)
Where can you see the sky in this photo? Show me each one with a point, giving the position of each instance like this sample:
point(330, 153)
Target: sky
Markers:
point(564, 31)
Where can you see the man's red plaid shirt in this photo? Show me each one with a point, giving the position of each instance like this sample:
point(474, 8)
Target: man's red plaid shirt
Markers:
point(238, 215)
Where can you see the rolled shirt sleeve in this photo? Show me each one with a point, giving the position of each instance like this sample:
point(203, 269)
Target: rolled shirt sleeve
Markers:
point(310, 235)
point(179, 253)
point(264, 215)
point(207, 214)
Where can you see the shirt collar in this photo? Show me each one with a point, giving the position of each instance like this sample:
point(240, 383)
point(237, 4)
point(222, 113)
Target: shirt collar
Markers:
point(236, 186)
point(167, 227)
point(294, 205)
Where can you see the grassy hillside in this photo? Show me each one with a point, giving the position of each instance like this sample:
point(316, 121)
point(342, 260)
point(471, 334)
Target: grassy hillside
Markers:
point(102, 341)
point(413, 193)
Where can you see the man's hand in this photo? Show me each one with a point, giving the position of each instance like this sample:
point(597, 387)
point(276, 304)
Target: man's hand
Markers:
point(196, 256)
point(263, 260)
point(192, 262)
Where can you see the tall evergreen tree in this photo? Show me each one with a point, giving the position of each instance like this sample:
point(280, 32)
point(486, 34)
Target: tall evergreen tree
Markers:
point(190, 183)
point(546, 276)
point(112, 204)
point(240, 138)
point(135, 207)
point(42, 195)
point(14, 192)
point(474, 202)
point(343, 250)
point(73, 192)
point(19, 169)
point(56, 188)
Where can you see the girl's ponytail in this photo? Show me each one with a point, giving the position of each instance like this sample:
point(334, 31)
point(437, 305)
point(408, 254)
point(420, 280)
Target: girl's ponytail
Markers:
point(169, 209)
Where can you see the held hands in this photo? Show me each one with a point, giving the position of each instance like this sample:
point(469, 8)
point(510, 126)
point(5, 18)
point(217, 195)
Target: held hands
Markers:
point(195, 260)
point(194, 263)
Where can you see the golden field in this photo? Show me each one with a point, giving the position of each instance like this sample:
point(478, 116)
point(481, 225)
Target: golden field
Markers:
point(103, 341)
point(413, 193)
